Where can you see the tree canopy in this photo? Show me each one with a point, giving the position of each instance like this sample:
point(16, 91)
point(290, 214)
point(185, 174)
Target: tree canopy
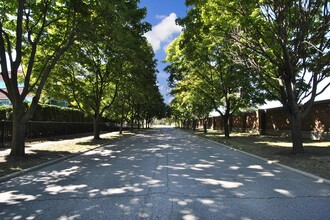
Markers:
point(249, 47)
point(81, 46)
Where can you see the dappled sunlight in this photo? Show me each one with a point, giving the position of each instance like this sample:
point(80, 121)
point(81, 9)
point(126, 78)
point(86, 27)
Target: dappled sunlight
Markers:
point(54, 189)
point(65, 172)
point(105, 164)
point(203, 165)
point(93, 192)
point(170, 167)
point(121, 190)
point(223, 184)
point(150, 176)
point(206, 161)
point(278, 144)
point(319, 144)
point(159, 147)
point(255, 167)
point(206, 201)
point(289, 144)
point(233, 168)
point(102, 152)
point(272, 161)
point(182, 202)
point(188, 215)
point(284, 192)
point(15, 197)
point(269, 174)
point(150, 182)
point(55, 176)
point(71, 217)
point(184, 166)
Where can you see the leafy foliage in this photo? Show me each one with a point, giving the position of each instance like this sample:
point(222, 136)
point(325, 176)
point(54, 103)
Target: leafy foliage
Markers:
point(78, 49)
point(278, 46)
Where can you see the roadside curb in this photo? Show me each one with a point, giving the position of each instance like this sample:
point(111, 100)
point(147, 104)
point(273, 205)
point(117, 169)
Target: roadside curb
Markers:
point(51, 162)
point(309, 175)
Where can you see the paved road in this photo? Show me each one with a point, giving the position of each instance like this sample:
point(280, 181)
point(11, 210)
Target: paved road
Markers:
point(164, 174)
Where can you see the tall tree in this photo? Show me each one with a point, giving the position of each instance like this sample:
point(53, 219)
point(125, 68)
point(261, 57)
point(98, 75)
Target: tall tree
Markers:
point(146, 100)
point(33, 37)
point(197, 56)
point(285, 43)
point(191, 100)
point(93, 70)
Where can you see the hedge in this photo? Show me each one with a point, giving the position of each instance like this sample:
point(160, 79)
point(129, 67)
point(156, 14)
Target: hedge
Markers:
point(49, 113)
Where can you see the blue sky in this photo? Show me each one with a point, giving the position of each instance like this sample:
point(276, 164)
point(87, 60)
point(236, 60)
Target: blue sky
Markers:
point(161, 14)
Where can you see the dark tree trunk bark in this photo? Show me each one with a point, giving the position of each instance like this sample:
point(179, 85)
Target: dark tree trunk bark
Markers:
point(132, 124)
point(226, 125)
point(121, 118)
point(96, 128)
point(121, 126)
point(194, 124)
point(294, 115)
point(20, 118)
point(205, 125)
point(296, 126)
point(18, 137)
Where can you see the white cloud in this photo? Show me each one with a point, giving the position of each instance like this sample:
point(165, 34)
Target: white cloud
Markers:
point(161, 16)
point(163, 33)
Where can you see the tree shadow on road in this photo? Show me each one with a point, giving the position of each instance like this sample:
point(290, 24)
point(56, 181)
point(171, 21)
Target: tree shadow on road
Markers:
point(32, 158)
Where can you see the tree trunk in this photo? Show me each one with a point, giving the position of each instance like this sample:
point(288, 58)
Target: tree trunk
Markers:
point(296, 125)
point(226, 125)
point(96, 128)
point(18, 133)
point(18, 136)
point(121, 125)
point(121, 118)
point(205, 125)
point(132, 124)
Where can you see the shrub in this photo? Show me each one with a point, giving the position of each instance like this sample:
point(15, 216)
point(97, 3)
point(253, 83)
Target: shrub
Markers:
point(6, 112)
point(49, 113)
point(59, 114)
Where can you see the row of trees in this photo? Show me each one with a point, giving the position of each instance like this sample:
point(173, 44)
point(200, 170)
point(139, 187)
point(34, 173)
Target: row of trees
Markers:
point(91, 53)
point(234, 55)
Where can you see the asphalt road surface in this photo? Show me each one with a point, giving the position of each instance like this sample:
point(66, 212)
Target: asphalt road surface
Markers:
point(164, 173)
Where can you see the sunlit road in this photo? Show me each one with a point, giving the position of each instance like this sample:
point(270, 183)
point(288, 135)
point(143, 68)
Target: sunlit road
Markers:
point(164, 174)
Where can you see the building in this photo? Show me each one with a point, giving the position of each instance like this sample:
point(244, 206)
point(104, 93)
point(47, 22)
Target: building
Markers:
point(4, 101)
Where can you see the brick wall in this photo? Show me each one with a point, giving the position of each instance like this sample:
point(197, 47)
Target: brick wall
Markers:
point(275, 122)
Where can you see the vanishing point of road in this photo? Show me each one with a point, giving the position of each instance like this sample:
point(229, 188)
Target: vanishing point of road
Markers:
point(164, 173)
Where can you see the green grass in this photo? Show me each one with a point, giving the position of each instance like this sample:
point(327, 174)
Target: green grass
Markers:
point(316, 159)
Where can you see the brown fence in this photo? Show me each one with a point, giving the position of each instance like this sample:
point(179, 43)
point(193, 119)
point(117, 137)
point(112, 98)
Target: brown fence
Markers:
point(275, 122)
